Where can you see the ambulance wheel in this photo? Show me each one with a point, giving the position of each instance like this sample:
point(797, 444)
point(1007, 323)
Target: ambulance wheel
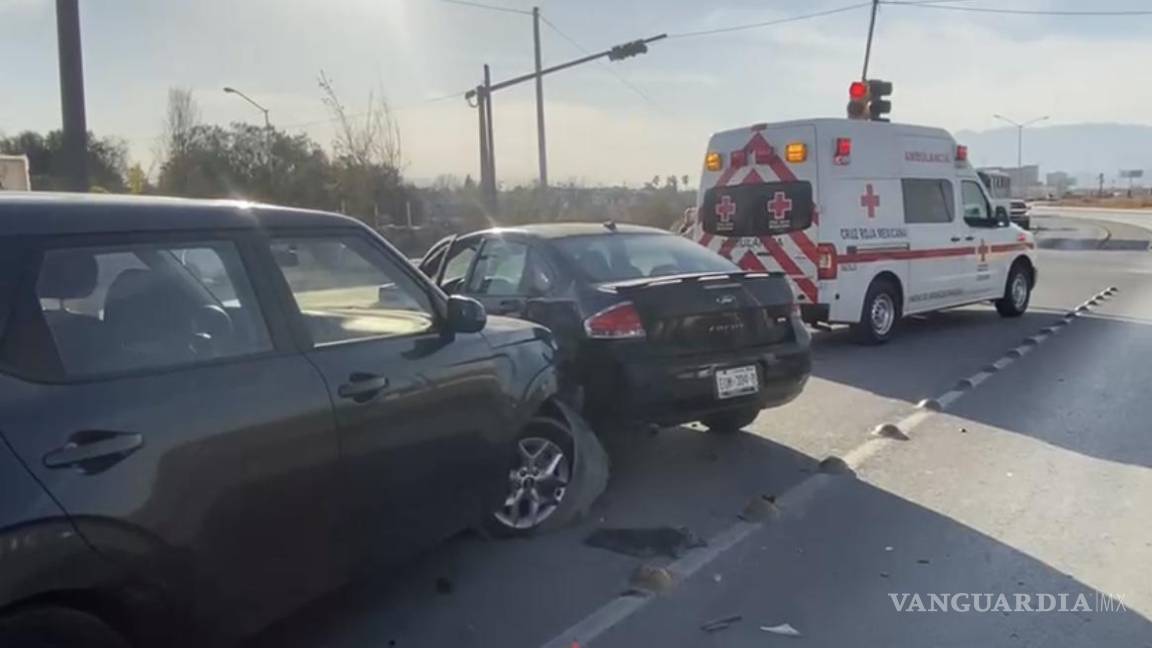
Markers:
point(880, 313)
point(1017, 292)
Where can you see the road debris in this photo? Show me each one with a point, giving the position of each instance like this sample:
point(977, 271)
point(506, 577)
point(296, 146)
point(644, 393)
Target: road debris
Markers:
point(963, 430)
point(720, 624)
point(760, 509)
point(783, 629)
point(924, 561)
point(646, 543)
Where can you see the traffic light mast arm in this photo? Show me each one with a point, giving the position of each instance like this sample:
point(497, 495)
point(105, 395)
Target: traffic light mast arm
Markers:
point(626, 47)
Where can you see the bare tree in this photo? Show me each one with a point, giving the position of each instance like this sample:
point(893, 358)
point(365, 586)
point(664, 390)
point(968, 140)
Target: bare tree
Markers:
point(181, 116)
point(366, 139)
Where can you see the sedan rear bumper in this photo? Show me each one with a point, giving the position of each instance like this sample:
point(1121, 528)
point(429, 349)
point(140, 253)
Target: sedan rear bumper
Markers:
point(678, 389)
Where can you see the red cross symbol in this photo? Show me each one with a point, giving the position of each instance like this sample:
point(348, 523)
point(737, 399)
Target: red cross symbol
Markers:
point(983, 250)
point(725, 209)
point(870, 200)
point(780, 206)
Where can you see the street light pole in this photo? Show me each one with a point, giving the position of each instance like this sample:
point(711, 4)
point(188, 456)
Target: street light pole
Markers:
point(1020, 135)
point(231, 90)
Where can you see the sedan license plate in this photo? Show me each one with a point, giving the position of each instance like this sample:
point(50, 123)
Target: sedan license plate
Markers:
point(737, 381)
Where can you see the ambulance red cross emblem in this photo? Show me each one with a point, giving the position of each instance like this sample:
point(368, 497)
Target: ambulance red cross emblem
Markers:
point(870, 201)
point(983, 250)
point(780, 206)
point(725, 209)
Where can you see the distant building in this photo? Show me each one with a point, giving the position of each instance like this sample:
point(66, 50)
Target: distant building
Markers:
point(1058, 183)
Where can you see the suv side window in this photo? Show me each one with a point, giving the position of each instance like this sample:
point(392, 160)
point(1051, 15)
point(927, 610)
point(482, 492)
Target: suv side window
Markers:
point(975, 205)
point(347, 289)
point(500, 269)
point(136, 306)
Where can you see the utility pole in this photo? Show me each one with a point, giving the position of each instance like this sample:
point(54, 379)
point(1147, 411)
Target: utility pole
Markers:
point(75, 123)
point(483, 96)
point(540, 143)
point(491, 185)
point(868, 46)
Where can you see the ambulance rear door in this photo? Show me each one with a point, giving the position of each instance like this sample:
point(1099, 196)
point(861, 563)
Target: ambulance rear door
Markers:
point(758, 206)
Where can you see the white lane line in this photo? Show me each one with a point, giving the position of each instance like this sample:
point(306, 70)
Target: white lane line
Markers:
point(790, 502)
point(620, 608)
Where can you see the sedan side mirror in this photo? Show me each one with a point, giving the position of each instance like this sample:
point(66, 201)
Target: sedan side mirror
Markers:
point(465, 315)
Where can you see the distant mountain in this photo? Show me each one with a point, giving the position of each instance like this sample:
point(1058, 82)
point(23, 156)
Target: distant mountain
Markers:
point(1083, 150)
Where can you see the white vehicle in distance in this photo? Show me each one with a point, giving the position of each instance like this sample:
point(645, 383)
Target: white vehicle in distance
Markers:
point(870, 220)
point(999, 186)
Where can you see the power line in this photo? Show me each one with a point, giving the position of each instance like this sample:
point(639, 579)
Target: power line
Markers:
point(480, 5)
point(628, 84)
point(1019, 12)
point(767, 23)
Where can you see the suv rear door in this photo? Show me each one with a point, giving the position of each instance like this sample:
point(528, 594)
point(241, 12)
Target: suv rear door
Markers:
point(163, 406)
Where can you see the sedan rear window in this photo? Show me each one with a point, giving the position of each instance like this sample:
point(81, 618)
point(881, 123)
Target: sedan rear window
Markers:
point(602, 258)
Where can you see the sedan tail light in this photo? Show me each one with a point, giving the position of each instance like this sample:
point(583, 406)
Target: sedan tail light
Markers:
point(615, 322)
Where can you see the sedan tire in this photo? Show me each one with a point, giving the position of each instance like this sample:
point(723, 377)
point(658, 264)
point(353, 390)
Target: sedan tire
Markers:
point(555, 474)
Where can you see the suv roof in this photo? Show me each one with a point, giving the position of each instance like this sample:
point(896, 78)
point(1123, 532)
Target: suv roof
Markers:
point(63, 213)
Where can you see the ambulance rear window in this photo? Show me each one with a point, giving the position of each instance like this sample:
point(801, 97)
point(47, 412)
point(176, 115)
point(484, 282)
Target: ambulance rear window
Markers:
point(759, 209)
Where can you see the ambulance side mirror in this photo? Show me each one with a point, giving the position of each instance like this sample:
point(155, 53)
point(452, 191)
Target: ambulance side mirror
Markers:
point(1002, 217)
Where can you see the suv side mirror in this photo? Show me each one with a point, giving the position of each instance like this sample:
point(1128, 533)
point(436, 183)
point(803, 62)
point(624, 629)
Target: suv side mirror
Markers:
point(465, 315)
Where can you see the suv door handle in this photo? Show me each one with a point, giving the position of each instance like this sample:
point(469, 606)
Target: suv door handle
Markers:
point(85, 447)
point(362, 387)
point(955, 239)
point(969, 238)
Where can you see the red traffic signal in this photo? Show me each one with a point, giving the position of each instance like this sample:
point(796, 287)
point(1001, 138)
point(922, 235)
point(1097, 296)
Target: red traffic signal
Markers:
point(858, 90)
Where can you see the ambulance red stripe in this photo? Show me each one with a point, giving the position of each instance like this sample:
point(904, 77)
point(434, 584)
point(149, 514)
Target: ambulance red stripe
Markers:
point(1009, 247)
point(790, 268)
point(867, 256)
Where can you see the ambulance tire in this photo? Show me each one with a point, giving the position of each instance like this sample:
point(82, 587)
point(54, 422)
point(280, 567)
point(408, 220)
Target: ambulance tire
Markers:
point(1017, 292)
point(880, 314)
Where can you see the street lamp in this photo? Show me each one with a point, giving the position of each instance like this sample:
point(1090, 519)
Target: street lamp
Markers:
point(230, 90)
point(1020, 135)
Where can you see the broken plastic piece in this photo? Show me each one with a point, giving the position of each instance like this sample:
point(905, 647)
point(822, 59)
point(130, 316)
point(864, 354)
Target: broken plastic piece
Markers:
point(784, 629)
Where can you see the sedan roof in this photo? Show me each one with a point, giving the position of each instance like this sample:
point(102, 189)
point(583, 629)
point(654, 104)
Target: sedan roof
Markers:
point(32, 213)
point(562, 230)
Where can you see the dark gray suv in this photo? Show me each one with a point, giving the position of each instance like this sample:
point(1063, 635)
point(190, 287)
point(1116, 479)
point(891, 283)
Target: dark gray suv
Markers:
point(210, 412)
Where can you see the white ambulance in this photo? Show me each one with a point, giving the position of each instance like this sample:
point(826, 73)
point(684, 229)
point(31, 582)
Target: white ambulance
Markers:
point(870, 220)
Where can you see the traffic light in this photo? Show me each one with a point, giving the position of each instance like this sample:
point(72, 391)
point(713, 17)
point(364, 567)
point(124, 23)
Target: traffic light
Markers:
point(869, 100)
point(878, 104)
point(627, 50)
point(858, 100)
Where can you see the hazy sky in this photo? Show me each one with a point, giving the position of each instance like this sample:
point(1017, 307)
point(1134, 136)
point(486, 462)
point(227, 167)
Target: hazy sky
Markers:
point(950, 69)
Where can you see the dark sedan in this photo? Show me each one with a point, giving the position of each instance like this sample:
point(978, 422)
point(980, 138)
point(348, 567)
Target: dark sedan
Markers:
point(651, 327)
point(212, 412)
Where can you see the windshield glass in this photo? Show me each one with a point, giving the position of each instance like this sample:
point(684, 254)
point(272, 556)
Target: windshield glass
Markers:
point(620, 257)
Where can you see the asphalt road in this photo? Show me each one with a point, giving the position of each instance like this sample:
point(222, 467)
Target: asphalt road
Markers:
point(1035, 479)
